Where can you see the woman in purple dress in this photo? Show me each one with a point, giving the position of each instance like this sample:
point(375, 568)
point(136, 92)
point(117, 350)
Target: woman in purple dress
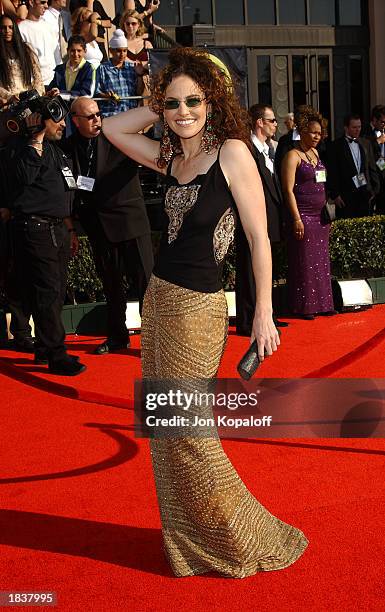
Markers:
point(303, 181)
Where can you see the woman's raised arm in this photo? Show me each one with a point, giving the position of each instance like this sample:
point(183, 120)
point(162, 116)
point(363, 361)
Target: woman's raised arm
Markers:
point(122, 131)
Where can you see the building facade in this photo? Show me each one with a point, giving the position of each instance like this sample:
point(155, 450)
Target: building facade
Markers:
point(328, 53)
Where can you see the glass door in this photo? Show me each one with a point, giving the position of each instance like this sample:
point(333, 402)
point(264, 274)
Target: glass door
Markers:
point(289, 77)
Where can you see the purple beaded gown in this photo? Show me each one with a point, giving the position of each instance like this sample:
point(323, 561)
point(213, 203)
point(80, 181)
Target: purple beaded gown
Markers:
point(309, 282)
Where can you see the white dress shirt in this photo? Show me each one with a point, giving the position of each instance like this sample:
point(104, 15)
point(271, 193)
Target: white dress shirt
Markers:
point(356, 154)
point(263, 147)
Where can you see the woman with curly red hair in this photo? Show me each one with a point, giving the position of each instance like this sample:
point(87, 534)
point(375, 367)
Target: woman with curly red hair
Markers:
point(303, 181)
point(210, 521)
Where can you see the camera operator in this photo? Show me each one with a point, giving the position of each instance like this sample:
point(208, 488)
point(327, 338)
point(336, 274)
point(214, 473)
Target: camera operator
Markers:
point(40, 181)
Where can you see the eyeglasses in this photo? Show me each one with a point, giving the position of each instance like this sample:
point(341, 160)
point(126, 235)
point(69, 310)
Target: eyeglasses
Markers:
point(190, 102)
point(270, 120)
point(131, 23)
point(43, 1)
point(89, 117)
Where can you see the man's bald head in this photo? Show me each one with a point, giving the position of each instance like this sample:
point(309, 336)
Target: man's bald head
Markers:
point(86, 117)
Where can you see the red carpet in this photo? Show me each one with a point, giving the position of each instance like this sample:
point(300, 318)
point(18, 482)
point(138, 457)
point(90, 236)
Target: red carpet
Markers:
point(79, 513)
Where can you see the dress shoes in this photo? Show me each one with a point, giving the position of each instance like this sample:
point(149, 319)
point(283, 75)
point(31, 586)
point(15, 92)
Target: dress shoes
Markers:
point(242, 331)
point(111, 346)
point(279, 323)
point(328, 313)
point(24, 345)
point(307, 317)
point(41, 358)
point(66, 367)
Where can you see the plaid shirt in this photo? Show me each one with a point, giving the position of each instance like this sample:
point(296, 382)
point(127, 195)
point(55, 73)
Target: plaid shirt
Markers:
point(122, 81)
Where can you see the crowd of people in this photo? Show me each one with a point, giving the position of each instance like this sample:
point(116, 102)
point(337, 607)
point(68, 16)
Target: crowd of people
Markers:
point(61, 52)
point(68, 52)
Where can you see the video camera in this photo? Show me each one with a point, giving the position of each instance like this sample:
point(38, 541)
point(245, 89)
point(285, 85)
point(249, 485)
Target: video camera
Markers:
point(12, 118)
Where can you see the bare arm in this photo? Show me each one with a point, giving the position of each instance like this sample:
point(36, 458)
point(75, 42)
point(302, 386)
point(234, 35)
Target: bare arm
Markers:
point(122, 131)
point(22, 12)
point(128, 5)
point(245, 184)
point(37, 81)
point(8, 8)
point(289, 167)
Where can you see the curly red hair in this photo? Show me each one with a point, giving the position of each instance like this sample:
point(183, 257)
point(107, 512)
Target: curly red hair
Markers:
point(229, 119)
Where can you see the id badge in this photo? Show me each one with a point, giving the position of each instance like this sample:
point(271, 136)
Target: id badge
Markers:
point(381, 163)
point(69, 177)
point(320, 176)
point(359, 180)
point(86, 183)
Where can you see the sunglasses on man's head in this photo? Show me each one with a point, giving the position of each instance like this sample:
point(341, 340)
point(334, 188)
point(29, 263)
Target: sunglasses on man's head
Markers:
point(191, 102)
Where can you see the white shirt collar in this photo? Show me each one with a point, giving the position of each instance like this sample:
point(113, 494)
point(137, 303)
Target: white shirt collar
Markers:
point(54, 11)
point(296, 135)
point(261, 146)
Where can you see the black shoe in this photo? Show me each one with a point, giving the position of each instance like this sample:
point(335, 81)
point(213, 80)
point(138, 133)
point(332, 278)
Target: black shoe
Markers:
point(41, 358)
point(111, 346)
point(328, 313)
point(66, 367)
point(307, 317)
point(279, 323)
point(242, 331)
point(24, 345)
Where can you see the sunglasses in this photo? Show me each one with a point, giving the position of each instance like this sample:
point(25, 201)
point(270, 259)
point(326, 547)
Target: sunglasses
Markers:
point(270, 120)
point(131, 23)
point(89, 117)
point(191, 102)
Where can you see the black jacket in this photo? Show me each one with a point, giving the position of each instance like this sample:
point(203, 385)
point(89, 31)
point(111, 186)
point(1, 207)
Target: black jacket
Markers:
point(341, 169)
point(273, 197)
point(117, 198)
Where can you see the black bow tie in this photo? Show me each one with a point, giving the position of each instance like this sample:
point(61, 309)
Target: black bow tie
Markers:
point(351, 139)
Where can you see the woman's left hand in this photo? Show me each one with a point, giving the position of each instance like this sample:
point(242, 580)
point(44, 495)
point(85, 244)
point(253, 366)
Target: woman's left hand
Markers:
point(266, 335)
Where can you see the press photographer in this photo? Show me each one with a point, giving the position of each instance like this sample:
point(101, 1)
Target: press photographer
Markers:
point(37, 190)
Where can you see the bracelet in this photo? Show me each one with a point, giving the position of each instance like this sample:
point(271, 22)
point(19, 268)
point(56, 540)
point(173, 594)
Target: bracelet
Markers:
point(145, 14)
point(37, 141)
point(35, 147)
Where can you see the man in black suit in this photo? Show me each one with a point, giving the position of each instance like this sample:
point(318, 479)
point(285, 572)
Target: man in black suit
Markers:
point(111, 209)
point(375, 133)
point(352, 177)
point(264, 127)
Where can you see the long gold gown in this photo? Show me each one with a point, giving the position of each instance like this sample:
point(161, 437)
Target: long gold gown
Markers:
point(210, 520)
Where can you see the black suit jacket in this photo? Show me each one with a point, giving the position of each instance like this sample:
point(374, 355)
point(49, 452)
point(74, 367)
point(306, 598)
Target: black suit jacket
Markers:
point(341, 169)
point(117, 198)
point(285, 144)
point(273, 197)
point(370, 134)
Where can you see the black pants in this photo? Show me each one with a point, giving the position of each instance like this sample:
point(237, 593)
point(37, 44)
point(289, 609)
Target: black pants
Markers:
point(244, 284)
point(41, 259)
point(132, 259)
point(356, 205)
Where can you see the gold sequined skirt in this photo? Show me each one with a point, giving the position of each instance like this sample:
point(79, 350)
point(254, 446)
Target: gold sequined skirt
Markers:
point(210, 520)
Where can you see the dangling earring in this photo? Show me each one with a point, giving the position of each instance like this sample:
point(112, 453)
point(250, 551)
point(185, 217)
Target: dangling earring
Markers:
point(209, 140)
point(166, 149)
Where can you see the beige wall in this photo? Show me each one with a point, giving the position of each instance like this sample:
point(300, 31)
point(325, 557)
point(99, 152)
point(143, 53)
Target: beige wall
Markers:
point(377, 51)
